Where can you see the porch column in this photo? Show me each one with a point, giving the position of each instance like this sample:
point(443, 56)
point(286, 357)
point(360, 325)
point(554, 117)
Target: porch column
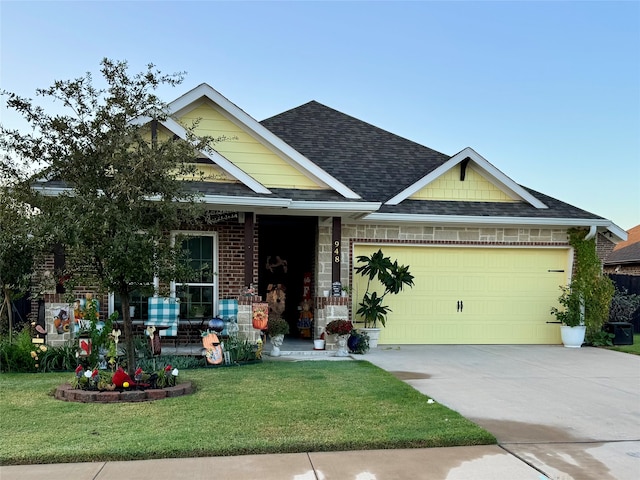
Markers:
point(249, 228)
point(336, 249)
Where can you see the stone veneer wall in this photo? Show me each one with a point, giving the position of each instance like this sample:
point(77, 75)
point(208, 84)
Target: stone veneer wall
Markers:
point(422, 235)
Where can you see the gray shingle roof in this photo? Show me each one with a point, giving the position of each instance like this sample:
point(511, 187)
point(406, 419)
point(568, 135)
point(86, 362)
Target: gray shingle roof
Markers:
point(372, 162)
point(377, 164)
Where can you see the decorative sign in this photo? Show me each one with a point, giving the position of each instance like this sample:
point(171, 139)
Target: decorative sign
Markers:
point(336, 289)
point(216, 216)
point(260, 315)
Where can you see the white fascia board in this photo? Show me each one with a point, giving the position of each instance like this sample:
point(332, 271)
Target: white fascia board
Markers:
point(245, 201)
point(336, 206)
point(476, 220)
point(51, 191)
point(487, 170)
point(296, 159)
point(222, 162)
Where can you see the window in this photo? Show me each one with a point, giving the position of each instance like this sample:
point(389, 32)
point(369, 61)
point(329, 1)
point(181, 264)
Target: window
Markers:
point(136, 300)
point(198, 297)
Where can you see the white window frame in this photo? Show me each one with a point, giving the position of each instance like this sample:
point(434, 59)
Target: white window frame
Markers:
point(214, 246)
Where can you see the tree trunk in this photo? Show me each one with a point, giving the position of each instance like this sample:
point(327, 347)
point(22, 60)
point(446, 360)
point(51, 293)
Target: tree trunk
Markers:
point(128, 335)
point(6, 303)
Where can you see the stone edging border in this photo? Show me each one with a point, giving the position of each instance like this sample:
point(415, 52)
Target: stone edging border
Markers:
point(67, 393)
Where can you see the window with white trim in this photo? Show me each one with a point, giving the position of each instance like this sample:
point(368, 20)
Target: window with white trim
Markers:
point(198, 297)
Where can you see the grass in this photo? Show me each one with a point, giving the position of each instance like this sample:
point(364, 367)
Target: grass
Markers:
point(271, 407)
point(634, 349)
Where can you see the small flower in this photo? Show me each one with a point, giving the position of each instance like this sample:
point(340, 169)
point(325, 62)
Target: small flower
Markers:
point(43, 348)
point(167, 368)
point(125, 384)
point(33, 355)
point(174, 372)
point(87, 374)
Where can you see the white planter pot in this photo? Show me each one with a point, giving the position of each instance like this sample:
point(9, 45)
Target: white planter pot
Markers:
point(572, 337)
point(374, 335)
point(318, 344)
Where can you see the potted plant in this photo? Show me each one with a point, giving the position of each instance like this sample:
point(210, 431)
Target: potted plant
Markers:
point(342, 329)
point(197, 311)
point(277, 328)
point(570, 316)
point(587, 299)
point(392, 277)
point(358, 342)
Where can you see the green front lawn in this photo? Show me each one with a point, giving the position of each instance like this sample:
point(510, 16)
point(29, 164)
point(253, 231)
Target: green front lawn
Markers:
point(271, 407)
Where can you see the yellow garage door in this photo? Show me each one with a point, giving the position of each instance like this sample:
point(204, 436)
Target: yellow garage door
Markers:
point(466, 295)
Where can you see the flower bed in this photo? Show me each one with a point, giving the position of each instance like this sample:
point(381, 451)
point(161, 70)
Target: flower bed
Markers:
point(67, 393)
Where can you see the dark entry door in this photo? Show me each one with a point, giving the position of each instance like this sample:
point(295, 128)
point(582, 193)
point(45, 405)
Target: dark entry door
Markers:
point(286, 251)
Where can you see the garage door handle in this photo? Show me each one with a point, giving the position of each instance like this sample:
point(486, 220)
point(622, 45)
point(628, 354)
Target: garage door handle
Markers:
point(460, 306)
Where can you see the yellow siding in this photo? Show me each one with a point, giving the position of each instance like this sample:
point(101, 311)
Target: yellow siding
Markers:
point(474, 188)
point(246, 152)
point(506, 293)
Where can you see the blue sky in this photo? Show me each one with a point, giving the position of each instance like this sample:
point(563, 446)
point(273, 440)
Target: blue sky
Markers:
point(548, 92)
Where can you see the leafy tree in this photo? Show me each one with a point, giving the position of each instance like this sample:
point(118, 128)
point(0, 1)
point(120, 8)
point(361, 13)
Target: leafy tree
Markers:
point(19, 244)
point(112, 183)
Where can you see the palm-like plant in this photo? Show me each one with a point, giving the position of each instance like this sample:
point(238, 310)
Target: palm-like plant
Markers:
point(393, 278)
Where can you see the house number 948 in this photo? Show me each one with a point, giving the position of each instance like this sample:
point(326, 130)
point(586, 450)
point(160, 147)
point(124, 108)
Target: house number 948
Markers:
point(336, 251)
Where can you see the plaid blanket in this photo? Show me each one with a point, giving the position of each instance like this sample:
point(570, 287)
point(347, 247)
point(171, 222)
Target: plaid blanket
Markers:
point(228, 311)
point(164, 312)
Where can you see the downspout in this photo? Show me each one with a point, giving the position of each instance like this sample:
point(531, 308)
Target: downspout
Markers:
point(592, 232)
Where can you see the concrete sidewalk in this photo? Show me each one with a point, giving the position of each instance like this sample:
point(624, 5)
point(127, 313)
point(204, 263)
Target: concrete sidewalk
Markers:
point(454, 463)
point(558, 413)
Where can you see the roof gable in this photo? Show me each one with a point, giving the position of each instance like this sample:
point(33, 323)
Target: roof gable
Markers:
point(264, 143)
point(245, 151)
point(508, 188)
point(463, 183)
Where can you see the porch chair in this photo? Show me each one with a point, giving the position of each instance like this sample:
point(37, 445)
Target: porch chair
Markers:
point(164, 312)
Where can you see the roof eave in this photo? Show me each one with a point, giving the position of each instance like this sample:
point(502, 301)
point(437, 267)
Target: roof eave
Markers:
point(454, 220)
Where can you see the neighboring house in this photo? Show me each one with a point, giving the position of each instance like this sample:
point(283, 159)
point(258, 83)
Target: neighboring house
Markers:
point(625, 257)
point(297, 197)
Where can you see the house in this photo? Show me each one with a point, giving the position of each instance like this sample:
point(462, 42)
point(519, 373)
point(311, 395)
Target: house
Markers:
point(294, 199)
point(625, 257)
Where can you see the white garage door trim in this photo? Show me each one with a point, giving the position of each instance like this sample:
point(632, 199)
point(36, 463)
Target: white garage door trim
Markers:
point(505, 299)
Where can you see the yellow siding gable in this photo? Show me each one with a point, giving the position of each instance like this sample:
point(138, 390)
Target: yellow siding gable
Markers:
point(212, 173)
point(244, 151)
point(474, 188)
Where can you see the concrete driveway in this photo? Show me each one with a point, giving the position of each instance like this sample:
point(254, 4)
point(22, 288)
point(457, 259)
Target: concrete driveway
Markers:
point(569, 413)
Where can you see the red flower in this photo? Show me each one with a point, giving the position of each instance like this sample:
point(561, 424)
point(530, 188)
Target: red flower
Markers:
point(79, 371)
point(167, 368)
point(339, 327)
